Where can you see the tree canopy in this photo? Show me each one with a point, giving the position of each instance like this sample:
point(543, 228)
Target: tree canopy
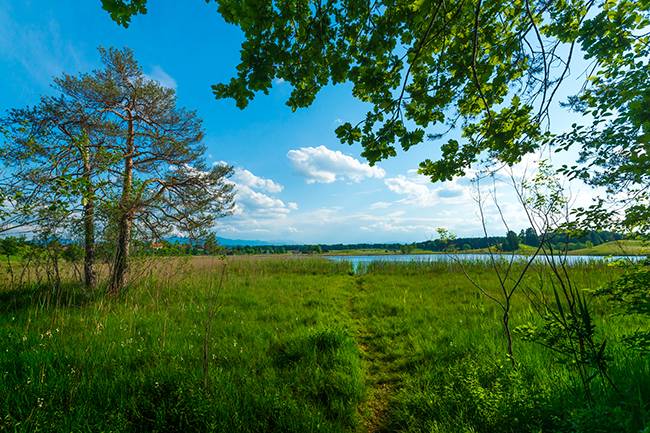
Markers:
point(491, 68)
point(114, 150)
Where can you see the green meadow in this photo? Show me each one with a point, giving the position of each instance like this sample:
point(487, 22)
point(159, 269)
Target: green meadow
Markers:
point(622, 247)
point(300, 345)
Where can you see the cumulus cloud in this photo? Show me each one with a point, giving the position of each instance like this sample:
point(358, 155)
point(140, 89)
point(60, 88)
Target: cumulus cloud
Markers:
point(415, 192)
point(323, 165)
point(419, 191)
point(245, 177)
point(159, 75)
point(254, 196)
point(257, 200)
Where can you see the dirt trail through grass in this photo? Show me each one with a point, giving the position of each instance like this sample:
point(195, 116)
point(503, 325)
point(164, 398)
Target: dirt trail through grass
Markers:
point(381, 381)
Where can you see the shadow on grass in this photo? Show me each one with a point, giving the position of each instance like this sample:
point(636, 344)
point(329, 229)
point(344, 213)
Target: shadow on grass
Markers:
point(322, 366)
point(44, 296)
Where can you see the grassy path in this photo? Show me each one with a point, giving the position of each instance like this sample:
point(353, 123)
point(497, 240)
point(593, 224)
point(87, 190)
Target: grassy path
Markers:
point(381, 380)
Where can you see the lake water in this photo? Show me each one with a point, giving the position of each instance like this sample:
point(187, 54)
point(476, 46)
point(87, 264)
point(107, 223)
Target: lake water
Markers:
point(361, 260)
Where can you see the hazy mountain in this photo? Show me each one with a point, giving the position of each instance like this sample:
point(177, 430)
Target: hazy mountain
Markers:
point(231, 242)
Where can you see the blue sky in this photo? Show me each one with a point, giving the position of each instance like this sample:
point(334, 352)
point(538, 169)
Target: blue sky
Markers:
point(296, 182)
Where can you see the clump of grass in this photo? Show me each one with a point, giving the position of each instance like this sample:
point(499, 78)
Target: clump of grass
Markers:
point(322, 366)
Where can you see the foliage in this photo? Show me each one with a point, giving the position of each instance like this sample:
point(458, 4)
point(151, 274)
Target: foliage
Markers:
point(10, 246)
point(63, 165)
point(569, 330)
point(631, 294)
point(492, 68)
point(63, 156)
point(615, 149)
point(530, 237)
point(121, 11)
point(511, 243)
point(210, 244)
point(73, 253)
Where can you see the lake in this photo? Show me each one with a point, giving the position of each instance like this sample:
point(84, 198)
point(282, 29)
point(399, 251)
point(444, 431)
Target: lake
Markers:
point(360, 260)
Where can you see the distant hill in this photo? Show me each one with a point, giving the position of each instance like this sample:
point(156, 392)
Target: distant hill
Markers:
point(244, 242)
point(622, 247)
point(227, 242)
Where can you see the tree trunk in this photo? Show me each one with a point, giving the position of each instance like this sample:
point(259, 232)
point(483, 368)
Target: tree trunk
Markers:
point(508, 334)
point(90, 279)
point(125, 222)
point(121, 261)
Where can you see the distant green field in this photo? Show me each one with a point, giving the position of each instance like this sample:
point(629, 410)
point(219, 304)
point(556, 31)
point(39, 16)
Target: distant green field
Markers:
point(614, 248)
point(300, 345)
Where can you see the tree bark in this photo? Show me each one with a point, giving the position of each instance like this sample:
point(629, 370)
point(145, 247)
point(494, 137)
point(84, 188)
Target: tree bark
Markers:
point(121, 261)
point(125, 222)
point(90, 279)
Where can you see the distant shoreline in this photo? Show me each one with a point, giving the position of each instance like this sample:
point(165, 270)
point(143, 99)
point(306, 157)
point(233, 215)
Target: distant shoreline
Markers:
point(614, 248)
point(466, 253)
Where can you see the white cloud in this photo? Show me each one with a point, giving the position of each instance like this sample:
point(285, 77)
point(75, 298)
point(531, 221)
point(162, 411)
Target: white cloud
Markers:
point(258, 212)
point(323, 165)
point(416, 193)
point(245, 177)
point(159, 75)
point(420, 192)
point(380, 205)
point(254, 196)
point(408, 208)
point(257, 200)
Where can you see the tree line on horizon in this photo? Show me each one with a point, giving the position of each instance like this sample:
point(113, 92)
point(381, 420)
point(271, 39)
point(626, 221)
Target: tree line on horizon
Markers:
point(16, 246)
point(560, 241)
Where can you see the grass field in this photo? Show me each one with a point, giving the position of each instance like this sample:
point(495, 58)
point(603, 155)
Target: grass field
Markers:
point(300, 345)
point(624, 247)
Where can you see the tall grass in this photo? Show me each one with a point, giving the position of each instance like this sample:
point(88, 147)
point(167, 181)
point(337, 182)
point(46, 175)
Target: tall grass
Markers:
point(298, 345)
